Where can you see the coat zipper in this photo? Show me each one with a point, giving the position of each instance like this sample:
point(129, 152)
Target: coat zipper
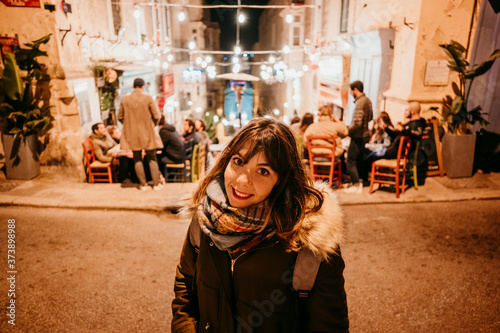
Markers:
point(233, 260)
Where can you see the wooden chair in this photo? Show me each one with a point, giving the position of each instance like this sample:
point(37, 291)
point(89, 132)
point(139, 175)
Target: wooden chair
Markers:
point(322, 160)
point(392, 172)
point(202, 161)
point(97, 172)
point(194, 164)
point(175, 171)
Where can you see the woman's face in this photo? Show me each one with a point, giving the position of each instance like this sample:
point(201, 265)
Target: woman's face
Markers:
point(250, 183)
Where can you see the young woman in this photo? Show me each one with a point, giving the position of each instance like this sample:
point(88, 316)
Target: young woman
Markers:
point(380, 138)
point(252, 214)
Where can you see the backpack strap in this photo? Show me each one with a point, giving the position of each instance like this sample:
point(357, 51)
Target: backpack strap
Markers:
point(305, 272)
point(194, 234)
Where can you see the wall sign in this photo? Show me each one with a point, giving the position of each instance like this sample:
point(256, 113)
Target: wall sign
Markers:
point(436, 73)
point(21, 3)
point(168, 85)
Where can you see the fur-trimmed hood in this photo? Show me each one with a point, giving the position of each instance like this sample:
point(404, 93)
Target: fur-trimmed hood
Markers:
point(324, 231)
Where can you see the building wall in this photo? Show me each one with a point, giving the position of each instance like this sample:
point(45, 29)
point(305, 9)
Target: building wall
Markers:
point(94, 38)
point(433, 23)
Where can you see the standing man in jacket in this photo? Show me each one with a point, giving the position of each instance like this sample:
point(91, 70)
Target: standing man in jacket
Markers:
point(360, 135)
point(139, 116)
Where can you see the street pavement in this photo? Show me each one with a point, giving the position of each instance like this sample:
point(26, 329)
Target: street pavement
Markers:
point(59, 187)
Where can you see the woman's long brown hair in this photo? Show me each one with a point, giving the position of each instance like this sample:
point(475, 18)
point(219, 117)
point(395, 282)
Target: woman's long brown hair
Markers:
point(294, 194)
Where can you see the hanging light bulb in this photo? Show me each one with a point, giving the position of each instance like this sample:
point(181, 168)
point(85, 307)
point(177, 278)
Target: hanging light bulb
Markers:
point(181, 16)
point(237, 49)
point(241, 18)
point(170, 57)
point(235, 60)
point(198, 60)
point(164, 65)
point(286, 49)
point(137, 13)
point(236, 68)
point(208, 59)
point(192, 45)
point(289, 18)
point(272, 59)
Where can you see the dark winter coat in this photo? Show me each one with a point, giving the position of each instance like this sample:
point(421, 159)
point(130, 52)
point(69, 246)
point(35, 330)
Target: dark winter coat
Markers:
point(254, 293)
point(173, 145)
point(363, 114)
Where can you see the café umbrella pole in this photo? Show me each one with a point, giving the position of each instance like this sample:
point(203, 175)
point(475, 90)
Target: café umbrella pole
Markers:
point(239, 94)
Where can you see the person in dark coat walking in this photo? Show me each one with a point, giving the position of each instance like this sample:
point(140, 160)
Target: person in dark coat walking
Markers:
point(252, 217)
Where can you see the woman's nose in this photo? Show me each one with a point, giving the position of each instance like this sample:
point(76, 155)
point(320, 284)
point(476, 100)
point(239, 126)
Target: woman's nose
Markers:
point(244, 176)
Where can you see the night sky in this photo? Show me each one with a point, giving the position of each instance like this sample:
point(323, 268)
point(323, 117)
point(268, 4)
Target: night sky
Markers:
point(226, 17)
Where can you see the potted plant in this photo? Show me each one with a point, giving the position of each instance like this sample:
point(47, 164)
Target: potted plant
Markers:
point(24, 110)
point(459, 142)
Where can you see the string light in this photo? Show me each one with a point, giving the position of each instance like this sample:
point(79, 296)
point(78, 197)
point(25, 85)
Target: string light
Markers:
point(123, 2)
point(236, 68)
point(241, 18)
point(289, 18)
point(181, 16)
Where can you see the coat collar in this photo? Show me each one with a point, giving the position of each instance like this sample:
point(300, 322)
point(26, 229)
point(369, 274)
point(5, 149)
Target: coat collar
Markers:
point(323, 231)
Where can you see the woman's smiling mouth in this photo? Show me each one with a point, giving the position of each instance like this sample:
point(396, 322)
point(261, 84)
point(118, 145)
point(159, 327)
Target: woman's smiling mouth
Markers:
point(240, 195)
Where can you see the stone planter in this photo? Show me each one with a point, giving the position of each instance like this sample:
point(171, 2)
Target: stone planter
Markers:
point(458, 154)
point(27, 164)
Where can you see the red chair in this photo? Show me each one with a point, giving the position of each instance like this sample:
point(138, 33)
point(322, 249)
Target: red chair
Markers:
point(322, 160)
point(392, 172)
point(97, 172)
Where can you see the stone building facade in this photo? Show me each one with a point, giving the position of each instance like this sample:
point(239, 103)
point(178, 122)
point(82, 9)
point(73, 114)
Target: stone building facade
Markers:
point(389, 45)
point(136, 40)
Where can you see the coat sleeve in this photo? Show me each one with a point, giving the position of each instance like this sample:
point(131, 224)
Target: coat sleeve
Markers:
point(155, 114)
point(357, 119)
point(327, 303)
point(99, 153)
point(121, 112)
point(185, 304)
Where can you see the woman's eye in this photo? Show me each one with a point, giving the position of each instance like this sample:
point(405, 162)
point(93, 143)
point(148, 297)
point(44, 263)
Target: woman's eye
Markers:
point(237, 161)
point(264, 172)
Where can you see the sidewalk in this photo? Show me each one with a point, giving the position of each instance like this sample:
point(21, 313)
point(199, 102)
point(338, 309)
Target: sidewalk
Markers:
point(61, 189)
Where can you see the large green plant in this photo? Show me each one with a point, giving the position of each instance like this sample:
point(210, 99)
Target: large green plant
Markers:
point(23, 111)
point(455, 114)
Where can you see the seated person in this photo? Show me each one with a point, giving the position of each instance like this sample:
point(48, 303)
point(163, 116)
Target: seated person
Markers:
point(200, 127)
point(103, 143)
point(300, 128)
point(105, 149)
point(328, 124)
point(173, 145)
point(114, 132)
point(190, 137)
point(413, 128)
point(380, 138)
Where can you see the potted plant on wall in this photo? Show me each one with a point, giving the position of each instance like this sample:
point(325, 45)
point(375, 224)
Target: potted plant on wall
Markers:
point(459, 142)
point(24, 110)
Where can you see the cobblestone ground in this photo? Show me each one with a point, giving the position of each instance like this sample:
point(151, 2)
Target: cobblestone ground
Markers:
point(409, 268)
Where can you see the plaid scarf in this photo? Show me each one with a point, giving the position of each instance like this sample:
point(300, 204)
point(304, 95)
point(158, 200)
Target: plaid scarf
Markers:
point(232, 229)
